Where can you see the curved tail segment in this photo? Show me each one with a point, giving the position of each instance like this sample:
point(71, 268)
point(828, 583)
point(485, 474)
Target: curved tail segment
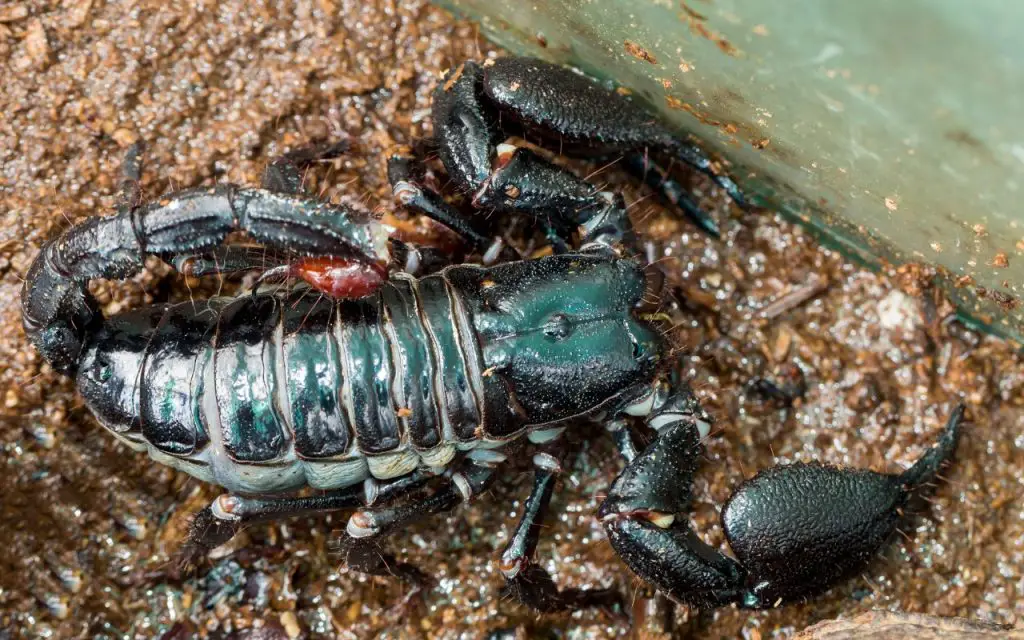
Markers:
point(57, 309)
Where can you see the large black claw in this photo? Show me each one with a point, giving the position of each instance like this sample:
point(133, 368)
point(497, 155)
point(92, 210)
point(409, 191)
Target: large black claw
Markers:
point(677, 562)
point(464, 127)
point(574, 111)
point(643, 528)
point(524, 182)
point(800, 529)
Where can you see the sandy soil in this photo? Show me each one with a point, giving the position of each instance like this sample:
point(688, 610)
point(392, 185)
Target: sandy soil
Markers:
point(216, 90)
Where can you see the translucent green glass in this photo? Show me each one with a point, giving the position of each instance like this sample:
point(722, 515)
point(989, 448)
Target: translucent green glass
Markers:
point(893, 128)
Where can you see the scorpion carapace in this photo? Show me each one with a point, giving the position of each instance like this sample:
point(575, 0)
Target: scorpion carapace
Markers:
point(404, 401)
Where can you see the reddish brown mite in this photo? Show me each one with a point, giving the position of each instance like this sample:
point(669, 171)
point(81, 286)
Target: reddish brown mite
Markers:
point(339, 277)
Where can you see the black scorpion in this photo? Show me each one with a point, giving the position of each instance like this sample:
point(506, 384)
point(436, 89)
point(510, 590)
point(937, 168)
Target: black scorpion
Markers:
point(418, 389)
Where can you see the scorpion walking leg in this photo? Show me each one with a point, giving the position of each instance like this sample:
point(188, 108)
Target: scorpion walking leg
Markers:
point(131, 176)
point(470, 480)
point(784, 391)
point(284, 174)
point(404, 174)
point(228, 514)
point(369, 557)
point(675, 193)
point(360, 546)
point(529, 583)
point(697, 158)
point(229, 261)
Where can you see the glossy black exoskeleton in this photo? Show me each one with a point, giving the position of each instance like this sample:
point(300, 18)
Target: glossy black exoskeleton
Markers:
point(404, 399)
point(476, 106)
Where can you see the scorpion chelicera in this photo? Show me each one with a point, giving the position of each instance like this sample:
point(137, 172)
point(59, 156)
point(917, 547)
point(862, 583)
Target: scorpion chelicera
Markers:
point(399, 397)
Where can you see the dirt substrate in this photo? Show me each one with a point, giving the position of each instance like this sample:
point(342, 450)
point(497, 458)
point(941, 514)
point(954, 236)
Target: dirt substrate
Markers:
point(87, 527)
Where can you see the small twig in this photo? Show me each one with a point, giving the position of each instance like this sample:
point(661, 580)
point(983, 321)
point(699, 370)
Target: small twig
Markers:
point(796, 297)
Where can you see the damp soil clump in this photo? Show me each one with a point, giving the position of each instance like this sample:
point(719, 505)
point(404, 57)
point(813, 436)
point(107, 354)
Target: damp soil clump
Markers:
point(216, 90)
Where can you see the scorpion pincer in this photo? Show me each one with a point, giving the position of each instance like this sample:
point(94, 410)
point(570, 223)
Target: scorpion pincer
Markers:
point(402, 399)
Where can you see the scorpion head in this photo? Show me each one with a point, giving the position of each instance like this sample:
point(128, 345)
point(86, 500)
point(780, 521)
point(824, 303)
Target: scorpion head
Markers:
point(564, 332)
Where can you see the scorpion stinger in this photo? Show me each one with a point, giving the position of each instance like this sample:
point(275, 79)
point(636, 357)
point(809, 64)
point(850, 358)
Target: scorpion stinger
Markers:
point(58, 309)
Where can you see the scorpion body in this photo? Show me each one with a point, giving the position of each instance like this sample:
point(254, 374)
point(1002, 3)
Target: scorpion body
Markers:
point(403, 399)
point(313, 391)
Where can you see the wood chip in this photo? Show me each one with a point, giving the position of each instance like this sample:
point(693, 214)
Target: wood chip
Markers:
point(14, 12)
point(36, 45)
